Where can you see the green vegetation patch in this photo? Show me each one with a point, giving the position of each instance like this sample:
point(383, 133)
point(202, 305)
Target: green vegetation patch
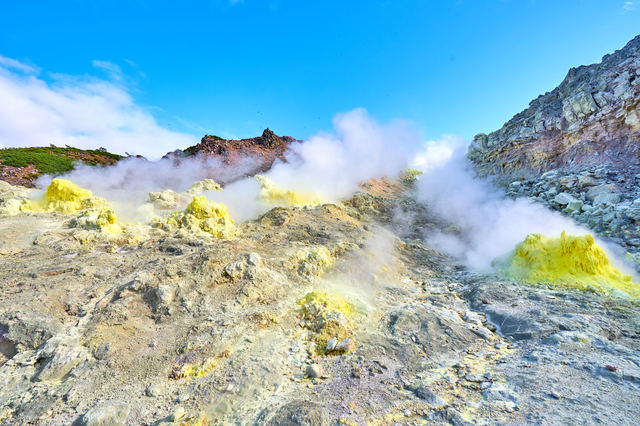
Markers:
point(53, 160)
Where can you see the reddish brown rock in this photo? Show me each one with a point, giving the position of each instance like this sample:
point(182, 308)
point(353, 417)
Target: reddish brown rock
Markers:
point(20, 176)
point(256, 154)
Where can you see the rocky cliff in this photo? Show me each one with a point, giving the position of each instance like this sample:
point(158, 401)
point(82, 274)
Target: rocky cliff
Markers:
point(577, 148)
point(591, 118)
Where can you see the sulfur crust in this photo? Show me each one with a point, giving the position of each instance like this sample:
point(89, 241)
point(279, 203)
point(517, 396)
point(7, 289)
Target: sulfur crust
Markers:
point(64, 196)
point(330, 301)
point(571, 261)
point(205, 216)
point(273, 195)
point(328, 315)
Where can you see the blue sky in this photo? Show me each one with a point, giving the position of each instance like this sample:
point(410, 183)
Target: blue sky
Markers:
point(235, 67)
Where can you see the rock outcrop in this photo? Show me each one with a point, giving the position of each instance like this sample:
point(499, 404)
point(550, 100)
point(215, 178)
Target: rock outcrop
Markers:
point(255, 155)
point(591, 118)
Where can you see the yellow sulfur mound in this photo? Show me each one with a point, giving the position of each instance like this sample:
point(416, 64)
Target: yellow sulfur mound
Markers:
point(66, 197)
point(329, 301)
point(328, 316)
point(271, 194)
point(572, 261)
point(205, 216)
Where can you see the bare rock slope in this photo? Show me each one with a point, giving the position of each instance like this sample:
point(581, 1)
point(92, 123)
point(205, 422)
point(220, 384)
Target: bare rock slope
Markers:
point(318, 316)
point(252, 155)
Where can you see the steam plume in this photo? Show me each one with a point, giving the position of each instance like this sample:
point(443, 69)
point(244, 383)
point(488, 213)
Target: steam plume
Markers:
point(489, 224)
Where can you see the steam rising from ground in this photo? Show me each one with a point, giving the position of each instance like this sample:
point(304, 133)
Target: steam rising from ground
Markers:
point(334, 165)
point(489, 224)
point(127, 183)
point(330, 166)
point(84, 112)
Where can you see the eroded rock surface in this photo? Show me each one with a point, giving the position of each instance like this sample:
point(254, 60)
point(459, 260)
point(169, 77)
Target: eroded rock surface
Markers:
point(592, 118)
point(190, 329)
point(252, 155)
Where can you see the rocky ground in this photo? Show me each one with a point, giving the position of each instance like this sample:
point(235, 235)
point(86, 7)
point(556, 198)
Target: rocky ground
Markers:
point(596, 197)
point(340, 313)
point(329, 315)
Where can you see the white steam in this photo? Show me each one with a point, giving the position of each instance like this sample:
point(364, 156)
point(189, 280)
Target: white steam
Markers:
point(487, 225)
point(328, 165)
point(126, 184)
point(333, 165)
point(83, 112)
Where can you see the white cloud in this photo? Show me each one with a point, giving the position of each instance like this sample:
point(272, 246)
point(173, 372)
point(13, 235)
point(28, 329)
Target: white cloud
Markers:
point(629, 5)
point(17, 66)
point(112, 70)
point(83, 112)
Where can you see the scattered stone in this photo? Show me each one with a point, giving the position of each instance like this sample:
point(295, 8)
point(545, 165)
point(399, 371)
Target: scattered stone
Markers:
point(472, 377)
point(314, 371)
point(153, 390)
point(178, 414)
point(563, 199)
point(106, 415)
point(346, 346)
point(331, 344)
point(428, 396)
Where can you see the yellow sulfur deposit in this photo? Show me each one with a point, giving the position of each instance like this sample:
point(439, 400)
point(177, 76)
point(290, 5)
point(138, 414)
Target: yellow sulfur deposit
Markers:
point(314, 261)
point(66, 197)
point(205, 216)
point(572, 261)
point(329, 301)
point(195, 370)
point(204, 185)
point(273, 195)
point(328, 315)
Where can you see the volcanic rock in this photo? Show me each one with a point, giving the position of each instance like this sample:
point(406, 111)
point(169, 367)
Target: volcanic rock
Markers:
point(253, 155)
point(591, 118)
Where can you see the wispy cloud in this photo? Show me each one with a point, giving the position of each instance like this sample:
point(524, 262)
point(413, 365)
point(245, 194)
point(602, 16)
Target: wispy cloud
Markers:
point(113, 71)
point(12, 64)
point(630, 5)
point(85, 112)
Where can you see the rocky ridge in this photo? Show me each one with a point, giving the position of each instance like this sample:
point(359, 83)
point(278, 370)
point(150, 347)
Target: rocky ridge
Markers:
point(252, 155)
